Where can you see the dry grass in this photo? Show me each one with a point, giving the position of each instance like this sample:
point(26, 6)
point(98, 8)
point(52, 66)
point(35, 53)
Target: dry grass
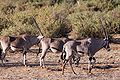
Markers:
point(106, 68)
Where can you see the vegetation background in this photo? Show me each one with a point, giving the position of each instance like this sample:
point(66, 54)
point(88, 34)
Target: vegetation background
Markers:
point(60, 18)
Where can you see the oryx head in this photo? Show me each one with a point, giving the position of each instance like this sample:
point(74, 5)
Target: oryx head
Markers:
point(40, 37)
point(106, 44)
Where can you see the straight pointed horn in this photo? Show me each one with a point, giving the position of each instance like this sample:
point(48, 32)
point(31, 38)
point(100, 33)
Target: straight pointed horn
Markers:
point(36, 25)
point(104, 30)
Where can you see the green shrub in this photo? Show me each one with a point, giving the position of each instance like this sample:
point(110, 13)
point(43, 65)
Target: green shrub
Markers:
point(19, 30)
point(8, 9)
point(102, 5)
point(86, 24)
point(22, 24)
point(60, 18)
point(113, 20)
point(53, 22)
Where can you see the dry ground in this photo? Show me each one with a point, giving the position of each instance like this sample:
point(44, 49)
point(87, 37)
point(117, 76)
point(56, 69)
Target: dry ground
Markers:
point(106, 68)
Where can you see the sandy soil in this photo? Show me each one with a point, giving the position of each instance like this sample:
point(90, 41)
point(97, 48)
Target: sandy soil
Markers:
point(107, 67)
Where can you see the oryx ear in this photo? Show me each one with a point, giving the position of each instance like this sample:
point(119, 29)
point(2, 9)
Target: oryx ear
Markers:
point(105, 39)
point(89, 40)
point(40, 37)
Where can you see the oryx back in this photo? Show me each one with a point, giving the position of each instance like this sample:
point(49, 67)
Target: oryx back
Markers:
point(70, 48)
point(57, 44)
point(95, 45)
point(24, 41)
point(83, 47)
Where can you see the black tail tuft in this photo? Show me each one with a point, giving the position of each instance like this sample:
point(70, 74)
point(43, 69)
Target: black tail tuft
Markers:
point(63, 55)
point(0, 53)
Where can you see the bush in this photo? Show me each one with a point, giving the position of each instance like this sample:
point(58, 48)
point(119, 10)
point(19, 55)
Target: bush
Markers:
point(102, 5)
point(60, 18)
point(54, 24)
point(19, 30)
point(22, 24)
point(86, 24)
point(113, 20)
point(5, 23)
point(9, 9)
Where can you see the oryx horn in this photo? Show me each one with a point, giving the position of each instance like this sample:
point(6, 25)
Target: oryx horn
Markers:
point(36, 25)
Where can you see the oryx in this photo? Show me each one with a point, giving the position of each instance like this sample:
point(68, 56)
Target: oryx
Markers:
point(22, 42)
point(87, 46)
point(54, 44)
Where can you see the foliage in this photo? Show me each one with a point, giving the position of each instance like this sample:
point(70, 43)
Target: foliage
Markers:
point(60, 18)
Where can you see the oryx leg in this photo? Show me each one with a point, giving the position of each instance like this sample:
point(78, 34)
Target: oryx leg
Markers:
point(65, 62)
point(37, 57)
point(90, 64)
point(70, 62)
point(62, 58)
point(94, 60)
point(39, 50)
point(2, 59)
point(24, 57)
point(3, 55)
point(76, 58)
point(44, 51)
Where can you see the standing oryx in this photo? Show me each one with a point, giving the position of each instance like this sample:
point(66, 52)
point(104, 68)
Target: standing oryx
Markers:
point(23, 42)
point(54, 44)
point(86, 46)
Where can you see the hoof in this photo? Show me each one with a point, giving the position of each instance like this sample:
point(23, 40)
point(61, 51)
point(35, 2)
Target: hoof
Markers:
point(25, 65)
point(62, 73)
point(75, 73)
point(43, 67)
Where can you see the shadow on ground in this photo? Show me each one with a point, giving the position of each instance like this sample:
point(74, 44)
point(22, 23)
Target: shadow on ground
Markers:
point(30, 64)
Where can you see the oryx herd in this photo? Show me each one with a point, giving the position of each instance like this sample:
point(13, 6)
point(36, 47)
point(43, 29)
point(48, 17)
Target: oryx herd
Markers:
point(71, 49)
